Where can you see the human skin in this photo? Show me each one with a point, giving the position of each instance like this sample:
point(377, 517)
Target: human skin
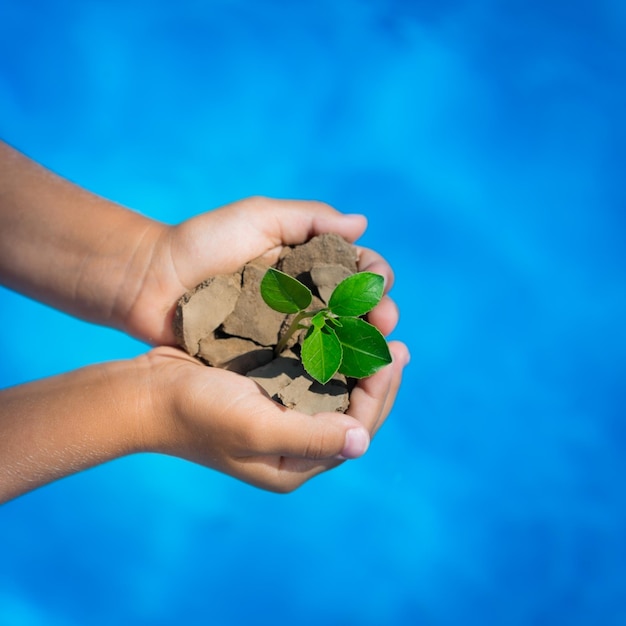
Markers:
point(90, 257)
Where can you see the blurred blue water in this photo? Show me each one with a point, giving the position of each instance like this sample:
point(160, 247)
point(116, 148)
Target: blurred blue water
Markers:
point(486, 142)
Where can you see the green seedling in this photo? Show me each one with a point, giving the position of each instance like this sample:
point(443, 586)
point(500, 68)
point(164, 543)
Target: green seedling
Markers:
point(337, 339)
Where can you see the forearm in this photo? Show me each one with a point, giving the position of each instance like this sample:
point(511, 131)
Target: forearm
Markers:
point(67, 247)
point(58, 426)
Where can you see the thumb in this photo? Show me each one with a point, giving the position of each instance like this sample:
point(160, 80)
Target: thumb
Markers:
point(321, 436)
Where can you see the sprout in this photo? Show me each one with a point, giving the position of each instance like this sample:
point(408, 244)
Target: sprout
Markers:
point(337, 339)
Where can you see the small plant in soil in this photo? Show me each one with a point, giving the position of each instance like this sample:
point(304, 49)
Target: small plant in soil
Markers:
point(337, 339)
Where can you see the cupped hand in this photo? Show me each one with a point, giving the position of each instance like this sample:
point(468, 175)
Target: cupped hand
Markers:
point(220, 242)
point(221, 419)
point(225, 421)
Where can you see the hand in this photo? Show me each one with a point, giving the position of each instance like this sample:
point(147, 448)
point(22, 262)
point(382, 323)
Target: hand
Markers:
point(167, 402)
point(221, 241)
point(221, 419)
point(224, 421)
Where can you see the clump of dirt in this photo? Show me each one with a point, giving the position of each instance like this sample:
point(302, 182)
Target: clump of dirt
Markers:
point(225, 323)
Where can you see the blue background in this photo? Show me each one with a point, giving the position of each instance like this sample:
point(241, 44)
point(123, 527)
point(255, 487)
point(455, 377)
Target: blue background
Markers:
point(486, 142)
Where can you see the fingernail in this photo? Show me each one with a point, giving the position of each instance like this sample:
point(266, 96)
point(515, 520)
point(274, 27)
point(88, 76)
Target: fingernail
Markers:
point(407, 357)
point(356, 444)
point(357, 217)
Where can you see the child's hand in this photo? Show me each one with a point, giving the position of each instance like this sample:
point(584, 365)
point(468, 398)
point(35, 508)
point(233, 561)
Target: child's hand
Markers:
point(224, 421)
point(221, 241)
point(167, 402)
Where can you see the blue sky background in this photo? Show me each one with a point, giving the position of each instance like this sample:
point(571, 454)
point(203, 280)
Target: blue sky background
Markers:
point(486, 143)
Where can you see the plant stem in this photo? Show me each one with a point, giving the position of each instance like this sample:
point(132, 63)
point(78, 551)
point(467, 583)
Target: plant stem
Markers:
point(295, 325)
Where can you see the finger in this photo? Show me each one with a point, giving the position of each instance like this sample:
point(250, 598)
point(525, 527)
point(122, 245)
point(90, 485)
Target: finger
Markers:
point(284, 432)
point(384, 315)
point(289, 222)
point(280, 474)
point(370, 261)
point(372, 398)
point(401, 358)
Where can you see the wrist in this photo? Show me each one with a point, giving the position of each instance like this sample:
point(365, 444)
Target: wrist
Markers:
point(160, 375)
point(135, 267)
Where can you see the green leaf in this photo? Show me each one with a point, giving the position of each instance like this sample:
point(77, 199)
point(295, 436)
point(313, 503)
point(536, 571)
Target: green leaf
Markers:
point(357, 294)
point(283, 293)
point(319, 319)
point(321, 353)
point(365, 350)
